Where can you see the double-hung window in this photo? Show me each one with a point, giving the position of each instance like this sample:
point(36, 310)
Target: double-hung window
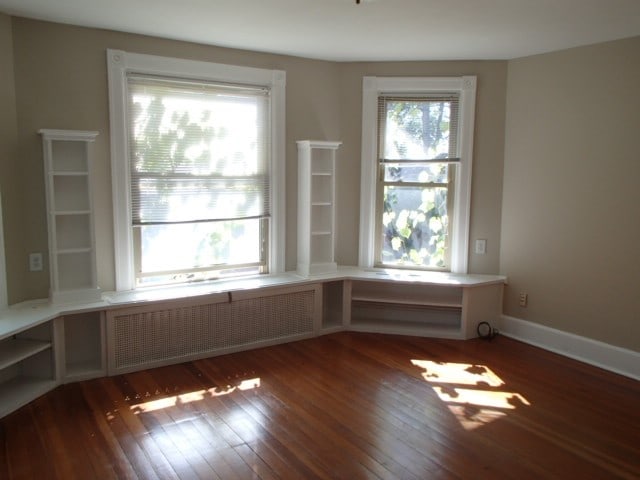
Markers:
point(196, 166)
point(416, 165)
point(199, 179)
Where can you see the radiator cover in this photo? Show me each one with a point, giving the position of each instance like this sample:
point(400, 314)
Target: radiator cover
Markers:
point(143, 337)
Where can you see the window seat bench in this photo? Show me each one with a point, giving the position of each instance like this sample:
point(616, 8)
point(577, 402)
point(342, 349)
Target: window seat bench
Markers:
point(44, 344)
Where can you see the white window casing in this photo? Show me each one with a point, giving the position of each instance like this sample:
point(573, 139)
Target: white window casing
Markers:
point(372, 88)
point(120, 64)
point(3, 265)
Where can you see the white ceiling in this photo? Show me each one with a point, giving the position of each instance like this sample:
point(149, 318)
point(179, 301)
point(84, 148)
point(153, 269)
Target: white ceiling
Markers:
point(340, 30)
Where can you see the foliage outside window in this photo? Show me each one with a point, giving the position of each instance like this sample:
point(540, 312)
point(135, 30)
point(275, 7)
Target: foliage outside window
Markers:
point(199, 178)
point(417, 156)
point(417, 148)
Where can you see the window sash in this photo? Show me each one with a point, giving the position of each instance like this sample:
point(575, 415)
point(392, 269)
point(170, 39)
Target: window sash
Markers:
point(206, 271)
point(171, 185)
point(387, 100)
point(449, 157)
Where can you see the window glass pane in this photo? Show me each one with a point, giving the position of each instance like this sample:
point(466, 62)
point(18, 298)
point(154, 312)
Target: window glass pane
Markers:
point(417, 129)
point(426, 173)
point(190, 246)
point(415, 226)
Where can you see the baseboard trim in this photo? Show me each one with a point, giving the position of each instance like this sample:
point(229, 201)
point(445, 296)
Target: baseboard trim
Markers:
point(615, 359)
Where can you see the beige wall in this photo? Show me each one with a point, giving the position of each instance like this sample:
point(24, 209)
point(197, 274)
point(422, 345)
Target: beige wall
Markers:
point(10, 174)
point(563, 224)
point(61, 82)
point(571, 203)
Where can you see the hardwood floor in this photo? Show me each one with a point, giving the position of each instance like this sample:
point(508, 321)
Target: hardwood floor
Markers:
point(346, 405)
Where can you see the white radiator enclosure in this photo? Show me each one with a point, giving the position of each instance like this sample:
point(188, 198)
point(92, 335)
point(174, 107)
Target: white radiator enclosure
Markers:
point(162, 333)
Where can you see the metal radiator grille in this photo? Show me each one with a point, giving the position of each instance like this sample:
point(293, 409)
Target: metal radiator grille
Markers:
point(161, 336)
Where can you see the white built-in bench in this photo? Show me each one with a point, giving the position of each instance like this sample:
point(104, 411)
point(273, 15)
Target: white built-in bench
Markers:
point(43, 345)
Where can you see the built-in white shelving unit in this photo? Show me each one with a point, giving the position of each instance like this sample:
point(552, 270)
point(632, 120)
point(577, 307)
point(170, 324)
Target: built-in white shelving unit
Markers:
point(81, 345)
point(26, 366)
point(406, 308)
point(44, 344)
point(316, 206)
point(334, 308)
point(72, 258)
point(411, 305)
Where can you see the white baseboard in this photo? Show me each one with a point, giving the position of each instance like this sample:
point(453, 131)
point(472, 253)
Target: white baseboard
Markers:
point(603, 355)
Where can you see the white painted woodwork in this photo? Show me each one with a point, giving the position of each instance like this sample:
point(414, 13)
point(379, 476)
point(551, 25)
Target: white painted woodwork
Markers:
point(316, 206)
point(72, 255)
point(44, 344)
point(119, 63)
point(372, 87)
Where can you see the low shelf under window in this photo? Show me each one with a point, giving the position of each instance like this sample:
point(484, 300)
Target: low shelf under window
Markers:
point(332, 305)
point(84, 345)
point(409, 319)
point(26, 367)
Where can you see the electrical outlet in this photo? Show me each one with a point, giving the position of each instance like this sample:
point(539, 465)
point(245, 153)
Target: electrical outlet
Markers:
point(35, 262)
point(524, 299)
point(481, 246)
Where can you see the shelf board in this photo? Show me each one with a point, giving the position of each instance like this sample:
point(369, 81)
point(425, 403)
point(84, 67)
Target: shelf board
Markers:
point(16, 350)
point(84, 370)
point(69, 173)
point(403, 301)
point(71, 212)
point(406, 328)
point(331, 328)
point(21, 390)
point(321, 204)
point(65, 251)
point(321, 232)
point(321, 174)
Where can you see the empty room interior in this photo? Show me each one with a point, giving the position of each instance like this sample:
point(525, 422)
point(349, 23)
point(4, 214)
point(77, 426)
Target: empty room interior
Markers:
point(303, 239)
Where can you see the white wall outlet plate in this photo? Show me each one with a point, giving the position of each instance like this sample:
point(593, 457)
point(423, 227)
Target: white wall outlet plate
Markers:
point(481, 246)
point(35, 262)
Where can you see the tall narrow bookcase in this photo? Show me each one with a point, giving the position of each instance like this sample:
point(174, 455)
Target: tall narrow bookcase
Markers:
point(316, 206)
point(72, 257)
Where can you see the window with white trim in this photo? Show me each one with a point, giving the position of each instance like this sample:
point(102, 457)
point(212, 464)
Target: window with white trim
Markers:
point(416, 172)
point(196, 160)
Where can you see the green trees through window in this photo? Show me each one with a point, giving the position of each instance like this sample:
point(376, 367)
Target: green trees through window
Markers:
point(417, 146)
point(199, 180)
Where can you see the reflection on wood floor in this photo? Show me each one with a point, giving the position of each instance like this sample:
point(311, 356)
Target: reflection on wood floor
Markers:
point(347, 405)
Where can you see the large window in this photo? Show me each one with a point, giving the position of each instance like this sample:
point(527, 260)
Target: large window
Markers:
point(195, 168)
point(416, 165)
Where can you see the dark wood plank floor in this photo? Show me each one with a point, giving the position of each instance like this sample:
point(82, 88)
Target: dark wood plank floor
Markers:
point(347, 406)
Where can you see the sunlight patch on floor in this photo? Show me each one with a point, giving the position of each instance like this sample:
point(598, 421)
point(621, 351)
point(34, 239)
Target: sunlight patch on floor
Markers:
point(195, 396)
point(473, 393)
